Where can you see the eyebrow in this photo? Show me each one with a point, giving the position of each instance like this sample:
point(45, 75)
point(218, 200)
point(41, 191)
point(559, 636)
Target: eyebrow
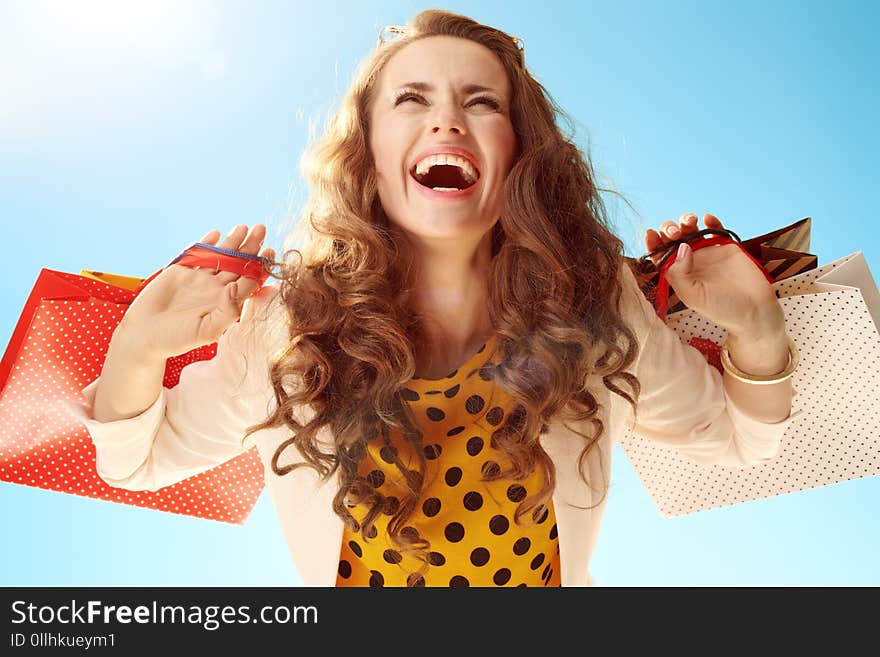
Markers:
point(467, 89)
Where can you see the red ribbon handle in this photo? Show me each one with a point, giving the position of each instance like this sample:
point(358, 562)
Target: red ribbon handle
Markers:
point(220, 259)
point(661, 298)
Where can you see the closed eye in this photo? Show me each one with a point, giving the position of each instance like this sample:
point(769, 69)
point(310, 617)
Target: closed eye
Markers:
point(409, 95)
point(491, 102)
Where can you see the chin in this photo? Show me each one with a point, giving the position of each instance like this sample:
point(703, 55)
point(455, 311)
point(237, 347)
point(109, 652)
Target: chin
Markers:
point(443, 228)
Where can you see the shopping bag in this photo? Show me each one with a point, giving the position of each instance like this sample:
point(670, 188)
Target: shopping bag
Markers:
point(833, 314)
point(782, 253)
point(56, 349)
point(660, 293)
point(125, 282)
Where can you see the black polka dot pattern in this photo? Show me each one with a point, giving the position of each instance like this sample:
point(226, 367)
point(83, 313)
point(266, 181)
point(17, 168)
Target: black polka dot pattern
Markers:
point(409, 395)
point(495, 415)
point(431, 507)
point(474, 404)
point(540, 514)
point(392, 556)
point(480, 556)
point(472, 500)
point(516, 493)
point(501, 576)
point(461, 531)
point(388, 454)
point(454, 532)
point(474, 445)
point(499, 524)
point(453, 476)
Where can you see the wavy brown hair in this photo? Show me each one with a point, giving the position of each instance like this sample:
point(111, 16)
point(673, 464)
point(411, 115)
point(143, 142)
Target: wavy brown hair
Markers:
point(554, 299)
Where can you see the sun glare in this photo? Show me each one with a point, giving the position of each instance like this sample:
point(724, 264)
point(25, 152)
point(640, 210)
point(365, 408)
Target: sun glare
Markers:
point(108, 20)
point(71, 64)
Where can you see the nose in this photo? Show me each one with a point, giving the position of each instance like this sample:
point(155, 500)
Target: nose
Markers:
point(447, 119)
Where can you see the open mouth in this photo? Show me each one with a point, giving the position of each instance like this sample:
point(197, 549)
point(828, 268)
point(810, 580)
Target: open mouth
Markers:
point(445, 173)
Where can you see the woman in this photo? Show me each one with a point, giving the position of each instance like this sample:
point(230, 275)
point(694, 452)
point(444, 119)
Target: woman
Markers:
point(435, 386)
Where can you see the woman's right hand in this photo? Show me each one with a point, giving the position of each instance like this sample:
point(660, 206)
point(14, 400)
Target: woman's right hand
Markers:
point(184, 308)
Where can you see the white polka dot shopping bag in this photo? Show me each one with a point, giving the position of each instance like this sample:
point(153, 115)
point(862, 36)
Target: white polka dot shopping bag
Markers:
point(57, 348)
point(833, 315)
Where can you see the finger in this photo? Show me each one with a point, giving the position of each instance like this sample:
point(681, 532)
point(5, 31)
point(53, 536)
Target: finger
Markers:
point(247, 286)
point(235, 237)
point(227, 277)
point(688, 224)
point(240, 239)
point(211, 237)
point(222, 316)
point(655, 240)
point(712, 221)
point(652, 240)
point(669, 231)
point(254, 241)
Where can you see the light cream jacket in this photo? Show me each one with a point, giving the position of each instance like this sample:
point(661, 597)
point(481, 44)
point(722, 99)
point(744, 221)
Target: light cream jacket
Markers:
point(199, 424)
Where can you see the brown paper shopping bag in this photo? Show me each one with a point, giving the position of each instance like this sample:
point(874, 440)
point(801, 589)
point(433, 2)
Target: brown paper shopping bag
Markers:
point(783, 253)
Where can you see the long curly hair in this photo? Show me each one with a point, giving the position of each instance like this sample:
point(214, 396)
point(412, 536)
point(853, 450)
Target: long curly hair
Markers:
point(554, 300)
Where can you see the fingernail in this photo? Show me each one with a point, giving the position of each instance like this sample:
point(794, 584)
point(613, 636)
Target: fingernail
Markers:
point(682, 250)
point(233, 291)
point(674, 232)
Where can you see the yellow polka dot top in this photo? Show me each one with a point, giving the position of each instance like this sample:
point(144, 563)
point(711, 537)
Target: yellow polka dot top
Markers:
point(474, 540)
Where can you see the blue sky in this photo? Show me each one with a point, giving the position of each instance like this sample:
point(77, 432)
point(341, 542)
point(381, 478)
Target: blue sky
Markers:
point(128, 130)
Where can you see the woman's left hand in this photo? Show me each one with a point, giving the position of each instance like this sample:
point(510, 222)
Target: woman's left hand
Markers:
point(720, 282)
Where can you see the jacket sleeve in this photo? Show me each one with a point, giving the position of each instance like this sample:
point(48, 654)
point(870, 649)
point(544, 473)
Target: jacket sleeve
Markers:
point(683, 402)
point(200, 423)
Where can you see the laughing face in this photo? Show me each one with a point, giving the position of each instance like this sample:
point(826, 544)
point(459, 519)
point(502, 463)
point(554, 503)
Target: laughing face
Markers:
point(441, 138)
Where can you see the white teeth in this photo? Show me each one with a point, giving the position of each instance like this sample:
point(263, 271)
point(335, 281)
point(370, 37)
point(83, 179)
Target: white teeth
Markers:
point(467, 169)
point(445, 189)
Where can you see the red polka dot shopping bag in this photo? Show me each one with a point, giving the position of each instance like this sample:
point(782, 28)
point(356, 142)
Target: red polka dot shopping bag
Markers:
point(57, 348)
point(832, 312)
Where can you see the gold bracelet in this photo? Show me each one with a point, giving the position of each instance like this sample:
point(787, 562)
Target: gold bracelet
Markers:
point(793, 360)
